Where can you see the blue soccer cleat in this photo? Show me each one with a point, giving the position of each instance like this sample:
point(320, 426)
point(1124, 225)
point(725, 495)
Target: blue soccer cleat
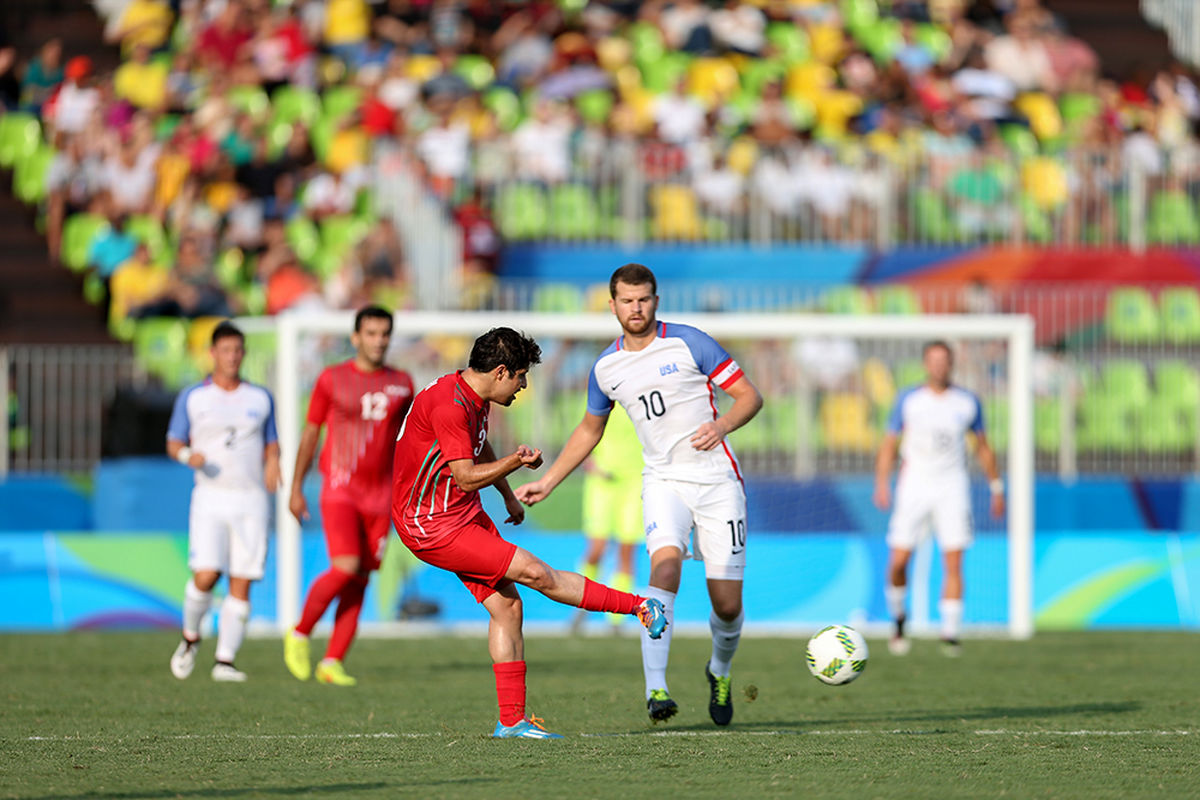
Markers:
point(653, 616)
point(528, 728)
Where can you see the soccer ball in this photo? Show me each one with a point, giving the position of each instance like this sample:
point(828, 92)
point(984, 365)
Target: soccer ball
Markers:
point(836, 654)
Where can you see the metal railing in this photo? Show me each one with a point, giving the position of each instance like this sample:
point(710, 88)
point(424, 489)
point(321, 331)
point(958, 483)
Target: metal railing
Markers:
point(56, 397)
point(936, 193)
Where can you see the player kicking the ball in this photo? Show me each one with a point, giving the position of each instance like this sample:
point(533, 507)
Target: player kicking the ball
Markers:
point(928, 428)
point(662, 374)
point(224, 429)
point(362, 402)
point(442, 460)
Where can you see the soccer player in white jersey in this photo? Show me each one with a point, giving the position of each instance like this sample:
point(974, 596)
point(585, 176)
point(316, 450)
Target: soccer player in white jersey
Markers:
point(663, 374)
point(224, 429)
point(928, 429)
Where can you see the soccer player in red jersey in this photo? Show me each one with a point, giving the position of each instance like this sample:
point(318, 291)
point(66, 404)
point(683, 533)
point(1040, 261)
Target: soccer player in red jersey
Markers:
point(363, 402)
point(443, 459)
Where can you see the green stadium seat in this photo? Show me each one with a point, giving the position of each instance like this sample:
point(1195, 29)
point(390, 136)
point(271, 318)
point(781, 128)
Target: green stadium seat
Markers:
point(909, 373)
point(303, 237)
point(476, 70)
point(338, 101)
point(228, 268)
point(160, 348)
point(149, 231)
point(29, 175)
point(259, 365)
point(1131, 315)
point(1180, 307)
point(79, 231)
point(504, 105)
point(662, 74)
point(293, 104)
point(1165, 428)
point(647, 41)
point(561, 298)
point(933, 39)
point(846, 300)
point(1104, 425)
point(278, 134)
point(250, 100)
point(897, 299)
point(857, 13)
point(1172, 219)
point(20, 135)
point(1035, 221)
point(521, 212)
point(995, 422)
point(573, 213)
point(339, 235)
point(759, 72)
point(791, 44)
point(933, 222)
point(1047, 425)
point(1126, 383)
point(1020, 140)
point(1177, 384)
point(882, 38)
point(594, 105)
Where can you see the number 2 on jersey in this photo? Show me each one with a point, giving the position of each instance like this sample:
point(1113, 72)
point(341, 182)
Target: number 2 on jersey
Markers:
point(374, 406)
point(653, 404)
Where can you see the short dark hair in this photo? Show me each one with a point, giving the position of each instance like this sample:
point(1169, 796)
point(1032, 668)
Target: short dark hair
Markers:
point(633, 275)
point(935, 344)
point(504, 347)
point(371, 312)
point(225, 330)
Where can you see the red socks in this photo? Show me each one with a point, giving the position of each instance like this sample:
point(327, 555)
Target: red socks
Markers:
point(323, 590)
point(598, 597)
point(510, 691)
point(345, 622)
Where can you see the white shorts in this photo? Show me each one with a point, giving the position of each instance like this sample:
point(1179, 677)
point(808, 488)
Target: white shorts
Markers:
point(921, 501)
point(227, 531)
point(717, 511)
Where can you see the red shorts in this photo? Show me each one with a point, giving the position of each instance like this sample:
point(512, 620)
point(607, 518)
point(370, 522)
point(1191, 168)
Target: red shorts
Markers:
point(475, 553)
point(350, 532)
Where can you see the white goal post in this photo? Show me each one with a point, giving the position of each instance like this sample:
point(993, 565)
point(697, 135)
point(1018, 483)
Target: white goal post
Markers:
point(1016, 331)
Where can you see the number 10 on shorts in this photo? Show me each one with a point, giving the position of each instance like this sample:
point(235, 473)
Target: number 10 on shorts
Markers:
point(737, 535)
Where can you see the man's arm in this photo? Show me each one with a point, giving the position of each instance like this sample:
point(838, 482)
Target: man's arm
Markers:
point(885, 461)
point(176, 450)
point(746, 403)
point(987, 461)
point(516, 511)
point(304, 458)
point(582, 441)
point(271, 474)
point(471, 477)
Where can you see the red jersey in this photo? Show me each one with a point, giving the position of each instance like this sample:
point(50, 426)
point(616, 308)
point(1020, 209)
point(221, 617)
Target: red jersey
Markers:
point(448, 422)
point(363, 411)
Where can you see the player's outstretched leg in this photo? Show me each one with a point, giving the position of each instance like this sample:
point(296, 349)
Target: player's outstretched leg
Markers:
point(231, 630)
point(183, 660)
point(195, 605)
point(331, 670)
point(295, 655)
point(720, 704)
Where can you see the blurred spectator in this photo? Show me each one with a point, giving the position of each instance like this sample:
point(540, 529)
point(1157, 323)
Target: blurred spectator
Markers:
point(680, 117)
point(111, 247)
point(192, 291)
point(142, 81)
point(1021, 56)
point(685, 25)
point(223, 42)
point(44, 73)
point(347, 26)
point(830, 363)
point(76, 100)
point(136, 282)
point(129, 176)
point(143, 23)
point(540, 143)
point(739, 27)
point(443, 148)
point(10, 86)
point(289, 285)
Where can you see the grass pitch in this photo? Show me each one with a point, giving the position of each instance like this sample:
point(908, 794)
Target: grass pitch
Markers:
point(1065, 715)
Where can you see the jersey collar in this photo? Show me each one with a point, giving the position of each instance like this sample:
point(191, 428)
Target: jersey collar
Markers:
point(467, 391)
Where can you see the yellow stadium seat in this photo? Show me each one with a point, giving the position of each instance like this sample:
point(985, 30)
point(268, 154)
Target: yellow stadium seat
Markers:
point(712, 80)
point(810, 80)
point(846, 422)
point(674, 213)
point(423, 67)
point(1044, 118)
point(1045, 181)
point(199, 342)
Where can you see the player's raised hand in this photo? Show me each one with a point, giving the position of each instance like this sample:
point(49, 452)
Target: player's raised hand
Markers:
point(298, 506)
point(532, 493)
point(883, 496)
point(530, 456)
point(516, 511)
point(707, 436)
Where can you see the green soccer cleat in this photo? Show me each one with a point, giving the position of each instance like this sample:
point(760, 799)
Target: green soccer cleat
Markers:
point(295, 655)
point(334, 674)
point(661, 706)
point(720, 704)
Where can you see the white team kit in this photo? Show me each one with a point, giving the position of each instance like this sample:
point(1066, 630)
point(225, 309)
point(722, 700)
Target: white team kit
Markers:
point(227, 525)
point(934, 485)
point(667, 390)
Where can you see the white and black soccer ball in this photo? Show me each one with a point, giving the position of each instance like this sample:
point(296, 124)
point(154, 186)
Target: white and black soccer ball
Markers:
point(836, 654)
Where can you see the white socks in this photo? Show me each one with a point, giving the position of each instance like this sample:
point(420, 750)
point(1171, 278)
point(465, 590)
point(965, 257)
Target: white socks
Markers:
point(656, 652)
point(895, 595)
point(195, 604)
point(725, 638)
point(231, 628)
point(951, 612)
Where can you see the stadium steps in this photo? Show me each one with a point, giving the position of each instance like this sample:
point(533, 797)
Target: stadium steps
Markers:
point(1115, 29)
point(29, 23)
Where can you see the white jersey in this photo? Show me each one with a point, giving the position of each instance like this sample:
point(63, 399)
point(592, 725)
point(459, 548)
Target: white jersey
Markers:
point(934, 428)
point(229, 428)
point(666, 389)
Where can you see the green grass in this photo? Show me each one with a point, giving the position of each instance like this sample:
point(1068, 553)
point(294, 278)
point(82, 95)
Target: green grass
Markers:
point(111, 722)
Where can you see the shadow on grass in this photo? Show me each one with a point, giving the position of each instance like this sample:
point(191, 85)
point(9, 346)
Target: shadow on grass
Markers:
point(799, 726)
point(335, 789)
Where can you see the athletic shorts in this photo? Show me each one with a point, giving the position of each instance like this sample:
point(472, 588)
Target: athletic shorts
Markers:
point(717, 512)
point(613, 510)
point(475, 553)
point(938, 501)
point(227, 531)
point(351, 532)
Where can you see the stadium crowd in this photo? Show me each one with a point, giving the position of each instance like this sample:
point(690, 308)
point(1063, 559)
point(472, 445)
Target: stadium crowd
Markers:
point(226, 164)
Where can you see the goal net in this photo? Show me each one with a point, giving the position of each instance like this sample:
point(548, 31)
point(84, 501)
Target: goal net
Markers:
point(817, 550)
